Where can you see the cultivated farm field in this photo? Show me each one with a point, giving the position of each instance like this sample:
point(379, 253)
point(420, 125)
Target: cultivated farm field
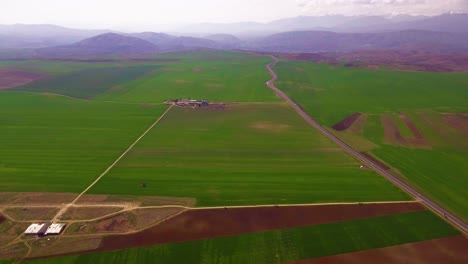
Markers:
point(283, 245)
point(219, 77)
point(414, 121)
point(243, 154)
point(87, 83)
point(210, 184)
point(55, 144)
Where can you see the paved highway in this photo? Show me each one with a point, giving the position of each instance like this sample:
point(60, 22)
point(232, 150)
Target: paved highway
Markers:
point(457, 222)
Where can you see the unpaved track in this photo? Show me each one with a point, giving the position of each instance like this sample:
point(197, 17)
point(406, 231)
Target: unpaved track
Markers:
point(455, 221)
point(64, 209)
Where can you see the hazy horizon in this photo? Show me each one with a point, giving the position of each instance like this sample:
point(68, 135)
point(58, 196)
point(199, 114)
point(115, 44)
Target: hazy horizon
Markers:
point(138, 15)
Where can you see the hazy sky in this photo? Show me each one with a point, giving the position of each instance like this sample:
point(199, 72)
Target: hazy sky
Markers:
point(140, 14)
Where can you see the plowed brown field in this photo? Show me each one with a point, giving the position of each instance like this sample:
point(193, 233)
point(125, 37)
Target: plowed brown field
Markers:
point(210, 223)
point(450, 250)
point(347, 122)
point(11, 77)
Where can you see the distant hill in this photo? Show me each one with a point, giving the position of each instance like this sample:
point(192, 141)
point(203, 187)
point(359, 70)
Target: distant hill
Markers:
point(337, 23)
point(23, 36)
point(224, 39)
point(155, 38)
point(108, 44)
point(454, 23)
point(168, 43)
point(321, 41)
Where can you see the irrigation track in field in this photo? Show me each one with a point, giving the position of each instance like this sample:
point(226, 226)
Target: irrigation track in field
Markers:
point(455, 221)
point(65, 208)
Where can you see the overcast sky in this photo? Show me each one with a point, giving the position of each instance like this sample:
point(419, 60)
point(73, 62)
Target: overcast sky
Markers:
point(144, 14)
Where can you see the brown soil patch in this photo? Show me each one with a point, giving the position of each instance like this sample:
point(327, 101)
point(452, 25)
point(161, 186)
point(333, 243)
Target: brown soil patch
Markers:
point(380, 163)
point(32, 213)
point(418, 139)
point(202, 224)
point(347, 122)
point(10, 78)
point(124, 222)
point(86, 213)
point(444, 250)
point(411, 126)
point(13, 252)
point(392, 134)
point(457, 121)
point(216, 107)
point(269, 126)
point(358, 126)
point(148, 217)
point(114, 225)
point(62, 245)
point(10, 230)
point(32, 198)
point(58, 199)
point(137, 200)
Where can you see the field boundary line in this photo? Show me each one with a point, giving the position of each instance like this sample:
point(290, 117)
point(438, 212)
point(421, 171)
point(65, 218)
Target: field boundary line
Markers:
point(63, 210)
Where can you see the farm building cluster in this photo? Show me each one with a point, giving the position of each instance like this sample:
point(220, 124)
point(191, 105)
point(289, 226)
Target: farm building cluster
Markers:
point(188, 103)
point(45, 229)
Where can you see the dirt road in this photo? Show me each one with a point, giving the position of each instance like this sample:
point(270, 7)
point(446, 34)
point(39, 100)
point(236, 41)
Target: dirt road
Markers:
point(457, 222)
point(65, 208)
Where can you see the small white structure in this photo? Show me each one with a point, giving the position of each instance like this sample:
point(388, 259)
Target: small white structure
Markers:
point(55, 229)
point(37, 229)
point(44, 229)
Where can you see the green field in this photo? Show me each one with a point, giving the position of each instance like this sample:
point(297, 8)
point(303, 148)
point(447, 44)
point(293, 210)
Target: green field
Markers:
point(224, 77)
point(215, 76)
point(57, 144)
point(259, 151)
point(244, 154)
point(87, 83)
point(331, 93)
point(283, 245)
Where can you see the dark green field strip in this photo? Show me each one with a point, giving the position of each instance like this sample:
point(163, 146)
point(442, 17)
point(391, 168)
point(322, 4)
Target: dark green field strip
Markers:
point(331, 93)
point(244, 154)
point(87, 83)
point(237, 78)
point(57, 144)
point(283, 245)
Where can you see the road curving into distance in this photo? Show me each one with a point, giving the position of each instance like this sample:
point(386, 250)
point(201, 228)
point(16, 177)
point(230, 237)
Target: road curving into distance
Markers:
point(457, 222)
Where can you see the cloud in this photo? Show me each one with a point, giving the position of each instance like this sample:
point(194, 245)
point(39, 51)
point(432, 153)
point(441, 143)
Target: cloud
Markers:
point(381, 7)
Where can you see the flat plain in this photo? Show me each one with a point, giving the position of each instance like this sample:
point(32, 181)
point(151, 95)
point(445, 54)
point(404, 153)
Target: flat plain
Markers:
point(55, 144)
point(243, 154)
point(247, 148)
point(413, 121)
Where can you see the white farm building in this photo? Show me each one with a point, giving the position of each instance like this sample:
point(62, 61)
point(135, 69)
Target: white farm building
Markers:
point(44, 229)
